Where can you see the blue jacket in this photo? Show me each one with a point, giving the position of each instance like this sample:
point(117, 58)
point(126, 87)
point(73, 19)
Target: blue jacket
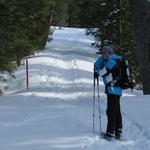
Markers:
point(110, 73)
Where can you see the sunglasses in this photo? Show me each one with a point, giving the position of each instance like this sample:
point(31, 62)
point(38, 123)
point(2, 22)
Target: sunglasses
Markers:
point(105, 53)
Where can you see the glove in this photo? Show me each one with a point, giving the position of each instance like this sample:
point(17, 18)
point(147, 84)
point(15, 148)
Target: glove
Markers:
point(112, 83)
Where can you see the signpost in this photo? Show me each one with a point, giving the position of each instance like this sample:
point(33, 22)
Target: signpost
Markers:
point(27, 74)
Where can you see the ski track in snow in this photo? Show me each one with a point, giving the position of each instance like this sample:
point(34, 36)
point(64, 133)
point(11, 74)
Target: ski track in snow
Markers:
point(56, 112)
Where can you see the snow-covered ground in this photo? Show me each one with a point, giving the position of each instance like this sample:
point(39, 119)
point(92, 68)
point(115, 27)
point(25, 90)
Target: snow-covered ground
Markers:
point(56, 112)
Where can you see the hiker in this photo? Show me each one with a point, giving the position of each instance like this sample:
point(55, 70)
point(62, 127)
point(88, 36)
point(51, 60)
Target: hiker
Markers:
point(106, 67)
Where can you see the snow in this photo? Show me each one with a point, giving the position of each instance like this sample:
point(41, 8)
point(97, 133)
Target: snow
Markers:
point(55, 113)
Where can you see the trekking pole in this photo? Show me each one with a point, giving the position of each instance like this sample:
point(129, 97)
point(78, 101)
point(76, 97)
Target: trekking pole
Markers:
point(99, 106)
point(93, 100)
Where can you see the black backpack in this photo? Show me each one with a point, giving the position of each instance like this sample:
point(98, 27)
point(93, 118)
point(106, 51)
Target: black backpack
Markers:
point(125, 75)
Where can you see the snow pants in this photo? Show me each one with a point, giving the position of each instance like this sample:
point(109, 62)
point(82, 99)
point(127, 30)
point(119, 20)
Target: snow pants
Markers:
point(113, 112)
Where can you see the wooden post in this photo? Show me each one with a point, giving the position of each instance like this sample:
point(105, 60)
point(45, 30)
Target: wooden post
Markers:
point(27, 75)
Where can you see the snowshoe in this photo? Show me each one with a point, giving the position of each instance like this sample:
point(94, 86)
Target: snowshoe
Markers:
point(108, 136)
point(118, 134)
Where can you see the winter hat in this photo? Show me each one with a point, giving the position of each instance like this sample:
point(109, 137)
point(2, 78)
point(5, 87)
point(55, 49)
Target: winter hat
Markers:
point(108, 49)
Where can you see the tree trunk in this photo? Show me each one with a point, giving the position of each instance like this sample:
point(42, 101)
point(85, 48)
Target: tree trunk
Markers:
point(141, 22)
point(18, 62)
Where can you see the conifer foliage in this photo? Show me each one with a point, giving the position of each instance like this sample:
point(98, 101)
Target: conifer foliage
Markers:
point(111, 21)
point(60, 14)
point(24, 29)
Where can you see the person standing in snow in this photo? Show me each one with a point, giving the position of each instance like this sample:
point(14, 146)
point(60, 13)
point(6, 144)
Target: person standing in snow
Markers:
point(106, 66)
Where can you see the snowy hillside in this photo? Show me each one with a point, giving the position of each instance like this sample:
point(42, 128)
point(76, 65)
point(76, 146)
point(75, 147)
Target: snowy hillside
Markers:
point(56, 112)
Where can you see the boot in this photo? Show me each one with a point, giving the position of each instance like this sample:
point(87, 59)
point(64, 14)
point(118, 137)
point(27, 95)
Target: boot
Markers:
point(118, 134)
point(108, 136)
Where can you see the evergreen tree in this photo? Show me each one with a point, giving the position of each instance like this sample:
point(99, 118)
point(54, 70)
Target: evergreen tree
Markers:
point(60, 15)
point(24, 29)
point(73, 11)
point(112, 22)
point(141, 22)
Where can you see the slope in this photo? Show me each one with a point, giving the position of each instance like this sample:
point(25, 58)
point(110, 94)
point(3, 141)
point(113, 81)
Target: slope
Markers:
point(56, 112)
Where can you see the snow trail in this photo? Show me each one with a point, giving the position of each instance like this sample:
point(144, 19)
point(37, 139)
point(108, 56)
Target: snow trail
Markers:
point(56, 112)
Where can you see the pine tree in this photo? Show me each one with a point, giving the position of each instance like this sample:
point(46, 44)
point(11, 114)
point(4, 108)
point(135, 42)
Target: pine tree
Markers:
point(60, 15)
point(73, 11)
point(112, 22)
point(141, 22)
point(24, 29)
